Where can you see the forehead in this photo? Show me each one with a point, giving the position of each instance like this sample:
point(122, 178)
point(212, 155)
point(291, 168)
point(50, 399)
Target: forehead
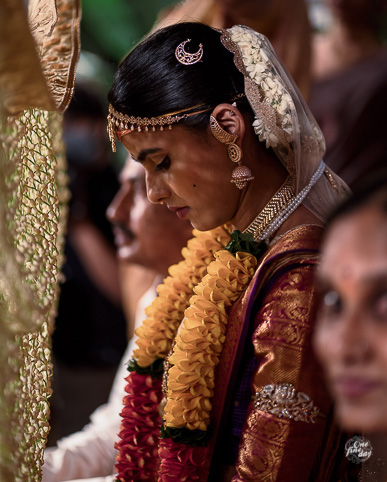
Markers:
point(163, 141)
point(356, 242)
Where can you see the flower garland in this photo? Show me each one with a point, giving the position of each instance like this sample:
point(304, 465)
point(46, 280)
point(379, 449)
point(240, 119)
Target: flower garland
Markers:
point(200, 339)
point(199, 342)
point(184, 453)
point(157, 332)
point(140, 428)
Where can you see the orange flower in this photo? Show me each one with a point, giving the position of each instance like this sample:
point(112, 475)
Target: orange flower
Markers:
point(157, 332)
point(199, 341)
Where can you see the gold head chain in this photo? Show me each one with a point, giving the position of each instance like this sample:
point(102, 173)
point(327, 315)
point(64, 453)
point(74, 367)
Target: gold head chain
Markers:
point(120, 124)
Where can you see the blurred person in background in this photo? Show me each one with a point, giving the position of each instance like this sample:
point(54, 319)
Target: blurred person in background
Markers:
point(89, 336)
point(286, 24)
point(151, 237)
point(351, 333)
point(349, 90)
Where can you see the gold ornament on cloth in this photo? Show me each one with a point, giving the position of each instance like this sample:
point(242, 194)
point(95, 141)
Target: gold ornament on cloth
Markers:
point(185, 57)
point(285, 401)
point(241, 174)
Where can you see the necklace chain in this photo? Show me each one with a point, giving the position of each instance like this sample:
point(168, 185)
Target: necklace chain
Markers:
point(280, 207)
point(276, 204)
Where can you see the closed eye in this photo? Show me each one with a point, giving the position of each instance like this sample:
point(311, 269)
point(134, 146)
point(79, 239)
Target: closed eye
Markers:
point(164, 164)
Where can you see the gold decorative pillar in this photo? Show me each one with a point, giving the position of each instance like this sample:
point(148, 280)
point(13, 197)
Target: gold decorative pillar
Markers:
point(39, 50)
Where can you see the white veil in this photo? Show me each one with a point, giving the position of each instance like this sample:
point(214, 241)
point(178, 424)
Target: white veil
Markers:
point(282, 118)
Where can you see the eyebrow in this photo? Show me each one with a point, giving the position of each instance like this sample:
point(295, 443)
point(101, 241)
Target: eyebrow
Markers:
point(144, 153)
point(322, 281)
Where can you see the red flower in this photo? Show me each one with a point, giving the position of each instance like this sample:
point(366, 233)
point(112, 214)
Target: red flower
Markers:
point(181, 463)
point(140, 430)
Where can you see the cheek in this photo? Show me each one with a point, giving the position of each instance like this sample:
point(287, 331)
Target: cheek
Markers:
point(380, 344)
point(322, 342)
point(138, 215)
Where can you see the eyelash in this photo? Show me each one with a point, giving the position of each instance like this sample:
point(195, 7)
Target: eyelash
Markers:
point(164, 164)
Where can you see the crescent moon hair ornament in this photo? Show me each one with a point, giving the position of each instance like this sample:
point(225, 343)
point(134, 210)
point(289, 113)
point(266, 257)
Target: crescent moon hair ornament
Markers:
point(186, 58)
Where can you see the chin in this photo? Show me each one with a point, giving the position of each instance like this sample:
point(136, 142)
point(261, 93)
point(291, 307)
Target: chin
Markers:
point(127, 253)
point(362, 418)
point(201, 225)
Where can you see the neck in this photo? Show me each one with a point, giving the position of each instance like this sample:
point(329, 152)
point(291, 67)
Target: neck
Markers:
point(259, 191)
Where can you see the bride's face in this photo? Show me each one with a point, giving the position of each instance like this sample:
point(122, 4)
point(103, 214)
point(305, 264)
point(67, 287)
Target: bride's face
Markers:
point(189, 172)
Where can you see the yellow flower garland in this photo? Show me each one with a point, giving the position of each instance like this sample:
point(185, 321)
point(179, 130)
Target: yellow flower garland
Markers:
point(158, 331)
point(200, 339)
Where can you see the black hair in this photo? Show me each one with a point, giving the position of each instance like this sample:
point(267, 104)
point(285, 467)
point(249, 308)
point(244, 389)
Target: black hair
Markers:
point(151, 82)
point(372, 192)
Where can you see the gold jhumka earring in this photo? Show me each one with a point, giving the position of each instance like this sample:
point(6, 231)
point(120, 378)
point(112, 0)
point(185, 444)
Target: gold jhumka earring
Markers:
point(241, 174)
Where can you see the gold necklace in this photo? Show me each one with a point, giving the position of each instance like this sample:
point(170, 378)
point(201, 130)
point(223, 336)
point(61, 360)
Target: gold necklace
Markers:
point(276, 204)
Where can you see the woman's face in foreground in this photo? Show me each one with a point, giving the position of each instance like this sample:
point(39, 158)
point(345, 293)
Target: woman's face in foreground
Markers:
point(189, 172)
point(351, 333)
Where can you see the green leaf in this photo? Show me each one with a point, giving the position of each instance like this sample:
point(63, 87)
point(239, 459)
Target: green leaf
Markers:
point(245, 242)
point(154, 370)
point(185, 436)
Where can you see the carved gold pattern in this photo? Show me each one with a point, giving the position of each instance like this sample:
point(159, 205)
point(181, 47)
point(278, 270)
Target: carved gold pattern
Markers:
point(281, 343)
point(185, 57)
point(264, 437)
point(285, 401)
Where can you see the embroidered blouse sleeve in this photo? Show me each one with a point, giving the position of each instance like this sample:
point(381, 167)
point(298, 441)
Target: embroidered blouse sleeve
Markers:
point(273, 446)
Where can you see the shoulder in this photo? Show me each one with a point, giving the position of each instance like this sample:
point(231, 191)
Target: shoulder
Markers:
point(289, 261)
point(300, 242)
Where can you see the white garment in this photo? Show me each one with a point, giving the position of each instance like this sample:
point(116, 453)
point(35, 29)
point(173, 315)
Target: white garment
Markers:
point(90, 452)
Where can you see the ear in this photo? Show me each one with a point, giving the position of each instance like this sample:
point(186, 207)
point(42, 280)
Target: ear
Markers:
point(231, 120)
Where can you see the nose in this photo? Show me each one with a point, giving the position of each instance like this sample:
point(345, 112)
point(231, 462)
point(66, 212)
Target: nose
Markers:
point(157, 189)
point(118, 209)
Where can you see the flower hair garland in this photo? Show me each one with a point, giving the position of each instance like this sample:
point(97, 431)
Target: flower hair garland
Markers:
point(258, 68)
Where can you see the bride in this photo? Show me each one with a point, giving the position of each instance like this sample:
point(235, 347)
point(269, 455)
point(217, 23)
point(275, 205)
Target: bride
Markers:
point(224, 384)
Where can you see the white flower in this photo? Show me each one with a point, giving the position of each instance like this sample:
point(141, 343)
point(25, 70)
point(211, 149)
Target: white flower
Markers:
point(273, 92)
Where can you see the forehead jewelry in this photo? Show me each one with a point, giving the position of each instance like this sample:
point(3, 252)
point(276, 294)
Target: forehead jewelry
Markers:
point(186, 58)
point(120, 124)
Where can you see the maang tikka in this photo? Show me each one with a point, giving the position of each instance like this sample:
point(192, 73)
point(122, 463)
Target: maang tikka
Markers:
point(241, 174)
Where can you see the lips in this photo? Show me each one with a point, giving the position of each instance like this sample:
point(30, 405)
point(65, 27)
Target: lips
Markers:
point(181, 212)
point(122, 235)
point(354, 387)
